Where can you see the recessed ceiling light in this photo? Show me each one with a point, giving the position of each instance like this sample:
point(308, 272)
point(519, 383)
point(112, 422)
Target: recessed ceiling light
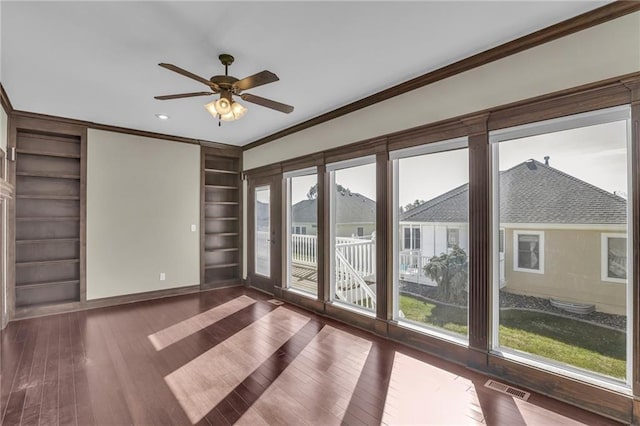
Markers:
point(162, 116)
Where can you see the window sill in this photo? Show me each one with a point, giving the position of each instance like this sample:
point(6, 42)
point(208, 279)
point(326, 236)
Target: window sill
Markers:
point(433, 332)
point(562, 370)
point(354, 309)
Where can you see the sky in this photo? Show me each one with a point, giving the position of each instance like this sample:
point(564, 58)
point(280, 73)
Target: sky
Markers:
point(595, 154)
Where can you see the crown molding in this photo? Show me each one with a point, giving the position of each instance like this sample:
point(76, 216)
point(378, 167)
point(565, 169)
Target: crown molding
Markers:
point(125, 130)
point(4, 100)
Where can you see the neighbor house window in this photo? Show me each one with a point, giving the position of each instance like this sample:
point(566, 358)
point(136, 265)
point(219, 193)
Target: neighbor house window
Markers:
point(614, 258)
point(556, 187)
point(300, 230)
point(529, 251)
point(453, 237)
point(301, 192)
point(430, 257)
point(352, 206)
point(411, 238)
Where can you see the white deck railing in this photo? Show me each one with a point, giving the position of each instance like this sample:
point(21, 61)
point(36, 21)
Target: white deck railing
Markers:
point(360, 254)
point(304, 249)
point(412, 264)
point(355, 264)
point(350, 286)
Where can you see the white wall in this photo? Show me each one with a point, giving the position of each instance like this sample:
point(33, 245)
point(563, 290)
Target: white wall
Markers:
point(143, 195)
point(608, 50)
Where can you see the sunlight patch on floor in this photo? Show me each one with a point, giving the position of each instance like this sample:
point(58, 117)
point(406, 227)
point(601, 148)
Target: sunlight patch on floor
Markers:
point(202, 383)
point(420, 393)
point(326, 371)
point(183, 329)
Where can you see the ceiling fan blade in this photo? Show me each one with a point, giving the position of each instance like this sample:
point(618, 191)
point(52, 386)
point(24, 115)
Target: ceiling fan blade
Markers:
point(183, 95)
point(191, 75)
point(267, 103)
point(263, 77)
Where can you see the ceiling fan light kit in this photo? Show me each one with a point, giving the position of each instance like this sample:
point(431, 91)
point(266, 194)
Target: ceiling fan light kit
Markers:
point(225, 108)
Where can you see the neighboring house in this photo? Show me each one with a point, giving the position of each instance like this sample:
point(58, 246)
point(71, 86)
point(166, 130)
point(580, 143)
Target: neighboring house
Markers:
point(355, 216)
point(559, 236)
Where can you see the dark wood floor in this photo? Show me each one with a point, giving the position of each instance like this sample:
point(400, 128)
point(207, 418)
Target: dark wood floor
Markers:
point(228, 356)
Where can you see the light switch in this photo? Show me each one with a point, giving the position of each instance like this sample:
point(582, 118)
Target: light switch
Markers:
point(193, 227)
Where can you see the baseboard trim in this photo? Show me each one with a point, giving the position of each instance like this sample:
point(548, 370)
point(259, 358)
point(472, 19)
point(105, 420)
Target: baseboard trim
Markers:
point(40, 311)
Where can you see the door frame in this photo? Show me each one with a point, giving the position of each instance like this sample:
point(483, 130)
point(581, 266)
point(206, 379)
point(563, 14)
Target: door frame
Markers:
point(257, 281)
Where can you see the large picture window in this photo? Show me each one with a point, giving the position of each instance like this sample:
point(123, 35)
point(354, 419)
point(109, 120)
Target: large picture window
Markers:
point(352, 204)
point(301, 191)
point(560, 200)
point(431, 250)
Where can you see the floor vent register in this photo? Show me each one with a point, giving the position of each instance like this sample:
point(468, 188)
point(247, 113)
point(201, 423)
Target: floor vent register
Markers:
point(506, 389)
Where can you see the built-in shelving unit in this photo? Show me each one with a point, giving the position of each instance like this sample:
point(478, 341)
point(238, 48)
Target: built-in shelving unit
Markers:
point(221, 208)
point(48, 219)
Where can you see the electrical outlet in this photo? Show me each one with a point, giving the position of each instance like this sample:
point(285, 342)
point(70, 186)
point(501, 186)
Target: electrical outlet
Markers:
point(193, 227)
point(162, 276)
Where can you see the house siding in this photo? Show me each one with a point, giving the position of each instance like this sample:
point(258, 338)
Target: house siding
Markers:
point(572, 271)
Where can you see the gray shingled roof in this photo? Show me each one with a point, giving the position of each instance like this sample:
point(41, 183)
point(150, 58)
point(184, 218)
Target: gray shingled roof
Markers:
point(350, 208)
point(531, 192)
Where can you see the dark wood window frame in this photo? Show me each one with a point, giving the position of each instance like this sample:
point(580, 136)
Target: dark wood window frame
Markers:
point(609, 93)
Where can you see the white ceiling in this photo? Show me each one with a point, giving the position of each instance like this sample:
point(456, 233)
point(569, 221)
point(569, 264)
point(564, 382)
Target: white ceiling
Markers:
point(97, 61)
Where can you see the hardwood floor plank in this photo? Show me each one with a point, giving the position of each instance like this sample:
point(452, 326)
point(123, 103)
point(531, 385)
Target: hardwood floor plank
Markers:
point(259, 365)
point(191, 347)
point(204, 382)
point(36, 376)
point(15, 404)
point(66, 383)
point(267, 372)
point(138, 378)
point(30, 415)
point(12, 351)
point(179, 331)
point(107, 402)
point(49, 403)
point(329, 346)
point(84, 410)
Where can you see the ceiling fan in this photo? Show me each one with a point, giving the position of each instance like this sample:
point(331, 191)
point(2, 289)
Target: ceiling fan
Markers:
point(226, 108)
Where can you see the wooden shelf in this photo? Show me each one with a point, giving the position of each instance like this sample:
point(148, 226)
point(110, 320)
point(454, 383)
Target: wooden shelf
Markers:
point(48, 203)
point(47, 153)
point(220, 212)
point(221, 187)
point(49, 240)
point(224, 203)
point(48, 219)
point(230, 172)
point(48, 175)
point(222, 265)
point(47, 262)
point(48, 197)
point(46, 284)
point(221, 249)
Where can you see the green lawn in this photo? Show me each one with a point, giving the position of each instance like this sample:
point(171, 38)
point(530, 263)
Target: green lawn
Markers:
point(565, 340)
